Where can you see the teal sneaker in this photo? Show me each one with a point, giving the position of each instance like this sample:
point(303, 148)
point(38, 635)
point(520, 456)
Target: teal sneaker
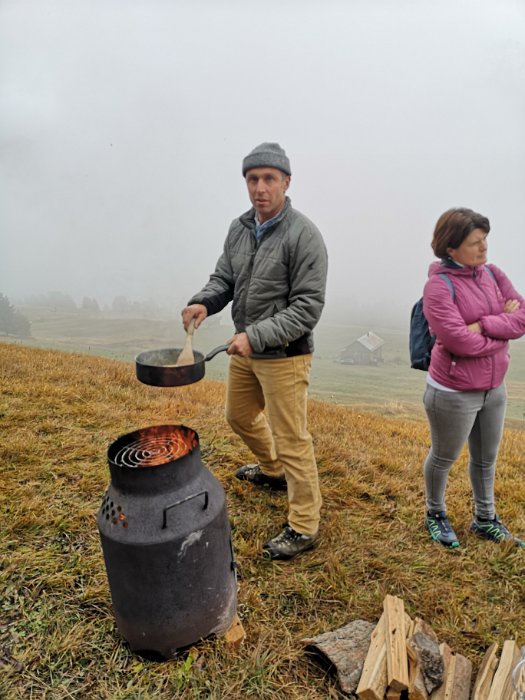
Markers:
point(441, 530)
point(494, 530)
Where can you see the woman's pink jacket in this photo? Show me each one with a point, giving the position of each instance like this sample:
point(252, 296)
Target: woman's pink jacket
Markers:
point(461, 359)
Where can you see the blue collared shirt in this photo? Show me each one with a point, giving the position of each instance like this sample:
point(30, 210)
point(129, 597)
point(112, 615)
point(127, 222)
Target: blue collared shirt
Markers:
point(261, 228)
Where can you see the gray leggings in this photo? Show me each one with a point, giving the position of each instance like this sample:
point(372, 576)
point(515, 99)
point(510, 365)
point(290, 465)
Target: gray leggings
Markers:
point(455, 417)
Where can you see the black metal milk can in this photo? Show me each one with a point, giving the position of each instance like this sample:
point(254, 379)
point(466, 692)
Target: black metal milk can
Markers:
point(166, 541)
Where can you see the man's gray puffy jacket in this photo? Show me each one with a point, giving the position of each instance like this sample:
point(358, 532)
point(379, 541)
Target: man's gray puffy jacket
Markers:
point(277, 284)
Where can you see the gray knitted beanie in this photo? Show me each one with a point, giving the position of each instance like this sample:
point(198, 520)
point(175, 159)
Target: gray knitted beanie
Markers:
point(267, 155)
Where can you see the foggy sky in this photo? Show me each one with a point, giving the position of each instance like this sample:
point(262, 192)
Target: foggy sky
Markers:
point(123, 124)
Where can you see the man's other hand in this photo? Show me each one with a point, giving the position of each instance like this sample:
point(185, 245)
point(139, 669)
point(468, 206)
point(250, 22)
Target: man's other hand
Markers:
point(240, 345)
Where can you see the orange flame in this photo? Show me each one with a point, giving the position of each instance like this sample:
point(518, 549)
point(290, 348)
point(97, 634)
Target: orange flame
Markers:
point(166, 444)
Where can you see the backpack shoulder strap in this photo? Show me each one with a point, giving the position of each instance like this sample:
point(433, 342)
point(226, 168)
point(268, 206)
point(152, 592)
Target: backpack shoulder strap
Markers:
point(491, 273)
point(449, 284)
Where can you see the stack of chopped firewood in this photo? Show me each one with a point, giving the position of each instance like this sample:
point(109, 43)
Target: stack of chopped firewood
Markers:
point(402, 659)
point(405, 660)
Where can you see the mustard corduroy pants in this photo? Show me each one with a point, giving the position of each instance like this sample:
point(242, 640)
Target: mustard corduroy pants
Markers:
point(266, 405)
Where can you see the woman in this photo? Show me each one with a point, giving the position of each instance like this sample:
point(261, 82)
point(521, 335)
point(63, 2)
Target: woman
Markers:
point(465, 396)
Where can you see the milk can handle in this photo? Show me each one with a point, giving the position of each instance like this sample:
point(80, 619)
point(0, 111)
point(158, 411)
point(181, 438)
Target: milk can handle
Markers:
point(184, 500)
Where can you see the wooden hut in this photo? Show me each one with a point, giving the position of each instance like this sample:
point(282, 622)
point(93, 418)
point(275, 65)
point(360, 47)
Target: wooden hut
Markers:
point(366, 350)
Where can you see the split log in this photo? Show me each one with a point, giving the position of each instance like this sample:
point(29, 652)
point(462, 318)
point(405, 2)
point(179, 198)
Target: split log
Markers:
point(456, 677)
point(416, 685)
point(395, 639)
point(422, 626)
point(462, 678)
point(430, 660)
point(428, 668)
point(346, 648)
point(502, 683)
point(235, 634)
point(449, 662)
point(418, 689)
point(373, 684)
point(392, 694)
point(520, 675)
point(409, 625)
point(486, 673)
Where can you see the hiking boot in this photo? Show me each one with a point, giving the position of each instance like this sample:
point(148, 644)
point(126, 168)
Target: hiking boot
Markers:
point(441, 530)
point(254, 474)
point(494, 530)
point(288, 543)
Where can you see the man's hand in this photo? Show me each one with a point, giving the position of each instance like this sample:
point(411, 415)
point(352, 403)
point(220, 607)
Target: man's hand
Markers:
point(240, 345)
point(196, 311)
point(474, 327)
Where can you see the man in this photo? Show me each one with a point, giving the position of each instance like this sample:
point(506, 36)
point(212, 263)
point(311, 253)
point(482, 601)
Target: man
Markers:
point(273, 267)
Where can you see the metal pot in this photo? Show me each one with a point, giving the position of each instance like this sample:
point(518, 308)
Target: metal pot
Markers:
point(159, 367)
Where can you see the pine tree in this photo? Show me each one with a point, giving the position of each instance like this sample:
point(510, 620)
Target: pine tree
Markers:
point(12, 322)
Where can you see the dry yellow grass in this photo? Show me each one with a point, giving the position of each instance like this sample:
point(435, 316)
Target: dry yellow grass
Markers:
point(59, 412)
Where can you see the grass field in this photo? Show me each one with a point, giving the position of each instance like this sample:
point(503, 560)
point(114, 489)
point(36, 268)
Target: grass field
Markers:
point(392, 388)
point(61, 410)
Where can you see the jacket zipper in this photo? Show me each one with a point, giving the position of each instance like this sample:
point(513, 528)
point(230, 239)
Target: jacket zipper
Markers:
point(475, 276)
point(489, 303)
point(254, 252)
point(249, 277)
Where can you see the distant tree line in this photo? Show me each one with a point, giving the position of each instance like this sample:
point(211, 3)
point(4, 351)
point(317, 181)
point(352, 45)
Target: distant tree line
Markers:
point(12, 322)
point(90, 305)
point(58, 301)
point(120, 306)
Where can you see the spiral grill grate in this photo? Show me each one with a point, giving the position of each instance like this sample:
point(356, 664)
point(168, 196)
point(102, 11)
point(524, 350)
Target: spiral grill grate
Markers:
point(153, 447)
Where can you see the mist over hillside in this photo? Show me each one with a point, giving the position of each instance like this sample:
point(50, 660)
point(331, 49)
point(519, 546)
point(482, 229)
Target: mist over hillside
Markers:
point(124, 125)
point(347, 310)
point(387, 386)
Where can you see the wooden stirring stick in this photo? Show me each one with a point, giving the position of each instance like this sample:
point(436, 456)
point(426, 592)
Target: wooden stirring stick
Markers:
point(186, 354)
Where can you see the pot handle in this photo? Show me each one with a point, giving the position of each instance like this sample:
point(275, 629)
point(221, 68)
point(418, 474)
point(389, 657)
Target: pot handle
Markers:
point(178, 503)
point(216, 351)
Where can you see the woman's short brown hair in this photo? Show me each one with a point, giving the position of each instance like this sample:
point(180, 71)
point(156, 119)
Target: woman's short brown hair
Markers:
point(453, 227)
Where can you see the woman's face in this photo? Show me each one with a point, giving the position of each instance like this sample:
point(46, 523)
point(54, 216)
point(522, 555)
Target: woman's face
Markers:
point(473, 251)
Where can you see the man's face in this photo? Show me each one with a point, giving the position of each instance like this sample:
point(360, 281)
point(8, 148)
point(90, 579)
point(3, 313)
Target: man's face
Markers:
point(267, 189)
